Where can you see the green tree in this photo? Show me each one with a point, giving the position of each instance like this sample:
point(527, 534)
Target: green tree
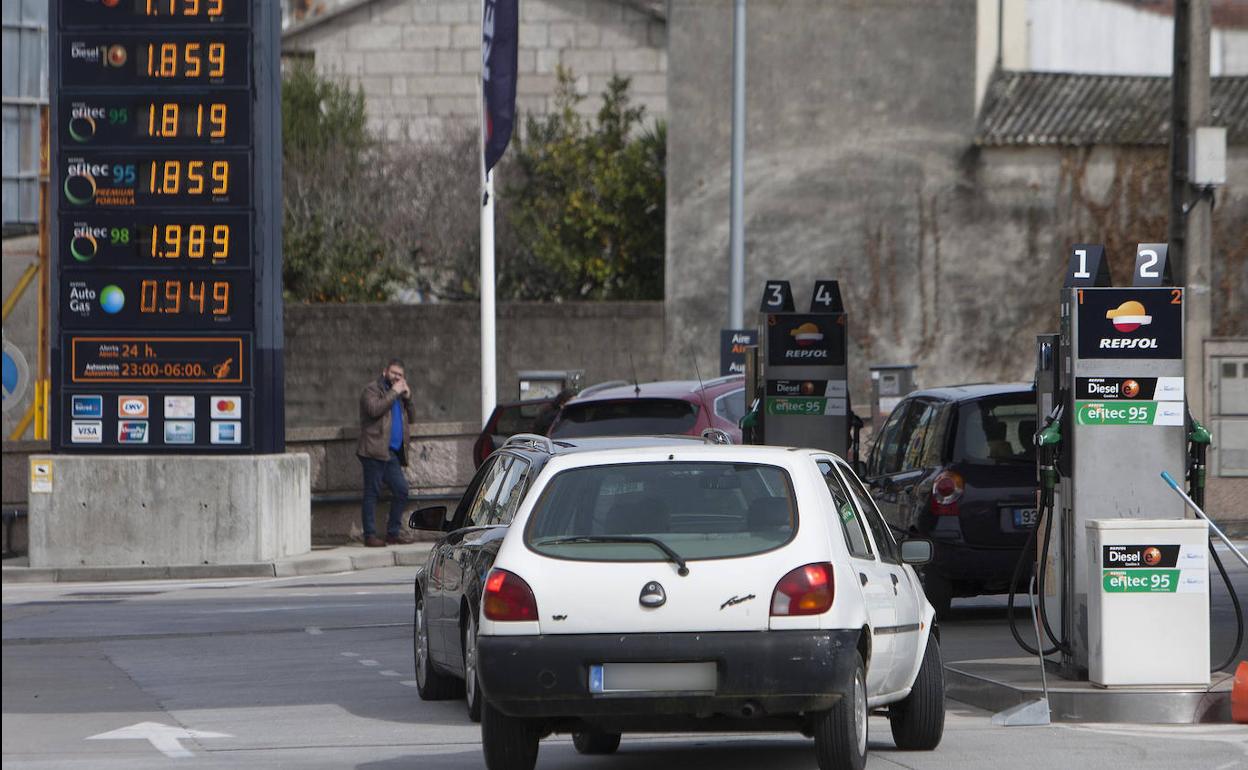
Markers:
point(587, 207)
point(335, 247)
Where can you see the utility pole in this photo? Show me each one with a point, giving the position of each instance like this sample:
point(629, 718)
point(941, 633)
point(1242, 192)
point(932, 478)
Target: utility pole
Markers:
point(736, 245)
point(1191, 226)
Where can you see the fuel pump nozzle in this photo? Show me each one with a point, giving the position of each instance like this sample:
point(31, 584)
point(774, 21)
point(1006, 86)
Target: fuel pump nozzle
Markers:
point(1047, 442)
point(1198, 441)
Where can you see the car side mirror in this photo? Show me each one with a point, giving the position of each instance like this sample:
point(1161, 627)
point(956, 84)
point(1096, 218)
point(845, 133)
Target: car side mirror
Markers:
point(916, 551)
point(428, 519)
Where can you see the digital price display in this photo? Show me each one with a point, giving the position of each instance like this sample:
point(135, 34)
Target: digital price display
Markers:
point(173, 120)
point(163, 179)
point(126, 59)
point(167, 225)
point(164, 300)
point(157, 240)
point(154, 13)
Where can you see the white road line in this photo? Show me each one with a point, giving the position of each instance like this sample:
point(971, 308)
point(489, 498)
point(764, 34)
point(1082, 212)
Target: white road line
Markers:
point(369, 663)
point(411, 683)
point(314, 631)
point(350, 654)
point(389, 673)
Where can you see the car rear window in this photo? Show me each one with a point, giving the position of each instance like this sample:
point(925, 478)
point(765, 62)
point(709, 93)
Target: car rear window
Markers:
point(517, 418)
point(997, 431)
point(699, 510)
point(632, 417)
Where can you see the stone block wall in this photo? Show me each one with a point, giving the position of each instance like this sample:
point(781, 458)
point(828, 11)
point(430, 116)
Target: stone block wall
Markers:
point(419, 61)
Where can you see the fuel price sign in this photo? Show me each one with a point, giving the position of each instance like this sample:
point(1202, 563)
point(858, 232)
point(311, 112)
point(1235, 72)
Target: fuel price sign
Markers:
point(166, 226)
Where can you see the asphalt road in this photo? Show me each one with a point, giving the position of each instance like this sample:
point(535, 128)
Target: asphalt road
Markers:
point(317, 672)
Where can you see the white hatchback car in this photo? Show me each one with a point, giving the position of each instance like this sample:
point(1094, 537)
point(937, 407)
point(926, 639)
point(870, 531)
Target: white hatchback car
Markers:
point(674, 589)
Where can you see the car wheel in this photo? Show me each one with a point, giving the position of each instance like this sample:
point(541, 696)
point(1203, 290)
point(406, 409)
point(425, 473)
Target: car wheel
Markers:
point(841, 732)
point(509, 743)
point(472, 685)
point(918, 722)
point(430, 683)
point(939, 590)
point(595, 742)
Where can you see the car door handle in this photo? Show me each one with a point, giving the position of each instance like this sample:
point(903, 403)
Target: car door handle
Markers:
point(863, 577)
point(894, 577)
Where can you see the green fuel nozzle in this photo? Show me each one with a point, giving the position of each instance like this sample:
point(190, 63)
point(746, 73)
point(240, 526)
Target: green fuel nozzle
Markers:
point(1050, 436)
point(1200, 434)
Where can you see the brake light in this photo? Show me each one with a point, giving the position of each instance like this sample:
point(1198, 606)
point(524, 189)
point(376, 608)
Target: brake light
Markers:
point(946, 492)
point(806, 590)
point(508, 597)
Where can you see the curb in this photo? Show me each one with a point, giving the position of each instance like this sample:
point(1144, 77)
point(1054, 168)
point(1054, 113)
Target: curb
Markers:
point(340, 559)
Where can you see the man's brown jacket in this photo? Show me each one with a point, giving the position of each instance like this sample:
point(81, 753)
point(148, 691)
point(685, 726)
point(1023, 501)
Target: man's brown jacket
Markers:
point(375, 410)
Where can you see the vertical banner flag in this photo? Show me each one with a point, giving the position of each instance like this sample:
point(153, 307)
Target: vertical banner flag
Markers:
point(499, 44)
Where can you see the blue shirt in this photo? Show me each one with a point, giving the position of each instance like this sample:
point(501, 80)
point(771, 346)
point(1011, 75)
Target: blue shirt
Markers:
point(396, 425)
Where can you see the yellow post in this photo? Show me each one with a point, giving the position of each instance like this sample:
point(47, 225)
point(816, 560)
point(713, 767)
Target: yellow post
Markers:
point(41, 370)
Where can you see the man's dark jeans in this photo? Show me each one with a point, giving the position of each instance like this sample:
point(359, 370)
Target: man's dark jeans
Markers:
point(391, 472)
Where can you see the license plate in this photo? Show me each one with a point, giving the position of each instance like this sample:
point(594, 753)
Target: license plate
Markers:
point(1026, 518)
point(652, 677)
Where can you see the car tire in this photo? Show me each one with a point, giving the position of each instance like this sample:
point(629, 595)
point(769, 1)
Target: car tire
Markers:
point(472, 683)
point(431, 684)
point(841, 731)
point(509, 743)
point(595, 742)
point(918, 722)
point(939, 591)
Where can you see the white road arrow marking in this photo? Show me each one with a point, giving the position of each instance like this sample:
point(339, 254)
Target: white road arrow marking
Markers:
point(164, 738)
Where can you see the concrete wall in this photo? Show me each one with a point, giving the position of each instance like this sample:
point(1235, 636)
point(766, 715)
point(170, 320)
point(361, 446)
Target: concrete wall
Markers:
point(108, 511)
point(332, 351)
point(419, 61)
point(861, 167)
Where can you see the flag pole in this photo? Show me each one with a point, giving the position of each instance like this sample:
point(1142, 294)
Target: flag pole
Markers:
point(488, 384)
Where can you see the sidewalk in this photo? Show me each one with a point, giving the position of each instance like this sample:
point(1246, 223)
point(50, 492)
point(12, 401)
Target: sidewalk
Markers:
point(342, 558)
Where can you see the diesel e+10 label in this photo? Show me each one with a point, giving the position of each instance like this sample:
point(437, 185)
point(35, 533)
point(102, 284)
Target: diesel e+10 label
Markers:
point(1129, 388)
point(1154, 569)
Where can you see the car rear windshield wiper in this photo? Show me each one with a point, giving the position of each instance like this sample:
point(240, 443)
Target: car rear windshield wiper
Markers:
point(672, 556)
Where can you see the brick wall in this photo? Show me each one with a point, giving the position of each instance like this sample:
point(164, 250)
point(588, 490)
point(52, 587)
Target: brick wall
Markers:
point(419, 61)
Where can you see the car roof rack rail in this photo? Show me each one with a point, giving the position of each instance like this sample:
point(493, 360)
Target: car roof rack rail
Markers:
point(602, 386)
point(531, 439)
point(716, 436)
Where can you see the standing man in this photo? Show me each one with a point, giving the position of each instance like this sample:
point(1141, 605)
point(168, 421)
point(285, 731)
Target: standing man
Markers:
point(385, 411)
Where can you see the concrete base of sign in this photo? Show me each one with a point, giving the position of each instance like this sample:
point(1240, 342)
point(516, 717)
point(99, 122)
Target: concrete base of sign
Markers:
point(1002, 683)
point(163, 511)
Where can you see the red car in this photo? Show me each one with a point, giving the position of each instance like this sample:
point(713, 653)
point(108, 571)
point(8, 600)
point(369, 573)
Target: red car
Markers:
point(655, 408)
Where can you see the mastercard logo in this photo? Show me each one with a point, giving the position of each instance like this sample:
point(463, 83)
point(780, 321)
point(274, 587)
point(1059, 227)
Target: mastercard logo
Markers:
point(806, 335)
point(1129, 316)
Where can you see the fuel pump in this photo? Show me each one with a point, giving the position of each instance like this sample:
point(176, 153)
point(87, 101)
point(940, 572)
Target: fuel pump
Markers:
point(1111, 405)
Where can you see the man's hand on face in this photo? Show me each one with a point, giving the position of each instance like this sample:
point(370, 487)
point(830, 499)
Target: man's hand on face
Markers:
point(400, 385)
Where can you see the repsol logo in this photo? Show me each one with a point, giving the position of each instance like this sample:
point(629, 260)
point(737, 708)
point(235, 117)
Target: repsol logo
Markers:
point(82, 168)
point(81, 110)
point(800, 354)
point(1126, 344)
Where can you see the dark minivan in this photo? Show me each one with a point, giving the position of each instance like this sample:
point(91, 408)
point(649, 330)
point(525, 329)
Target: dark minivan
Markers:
point(957, 465)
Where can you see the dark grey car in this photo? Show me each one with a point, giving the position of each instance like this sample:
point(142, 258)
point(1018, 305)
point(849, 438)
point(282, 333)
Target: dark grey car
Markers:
point(957, 465)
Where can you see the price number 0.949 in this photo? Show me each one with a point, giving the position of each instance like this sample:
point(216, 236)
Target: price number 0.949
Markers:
point(175, 296)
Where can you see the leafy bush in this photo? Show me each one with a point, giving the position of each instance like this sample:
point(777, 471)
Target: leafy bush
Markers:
point(587, 206)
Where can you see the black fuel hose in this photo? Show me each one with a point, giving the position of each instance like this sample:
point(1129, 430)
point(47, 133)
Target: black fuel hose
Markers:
point(1239, 612)
point(1058, 644)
